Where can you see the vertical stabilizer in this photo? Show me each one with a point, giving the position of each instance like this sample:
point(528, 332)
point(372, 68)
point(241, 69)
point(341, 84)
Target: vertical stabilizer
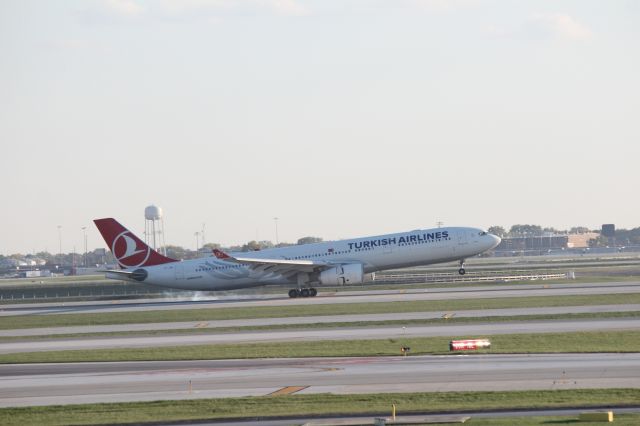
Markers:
point(129, 250)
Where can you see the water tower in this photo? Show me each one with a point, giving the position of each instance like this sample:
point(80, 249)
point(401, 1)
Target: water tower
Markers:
point(154, 228)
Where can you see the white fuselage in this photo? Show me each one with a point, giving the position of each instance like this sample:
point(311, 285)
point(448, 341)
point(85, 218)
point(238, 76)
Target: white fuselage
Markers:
point(377, 253)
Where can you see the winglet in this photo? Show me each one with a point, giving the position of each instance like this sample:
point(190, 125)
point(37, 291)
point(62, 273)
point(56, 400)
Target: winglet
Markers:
point(220, 254)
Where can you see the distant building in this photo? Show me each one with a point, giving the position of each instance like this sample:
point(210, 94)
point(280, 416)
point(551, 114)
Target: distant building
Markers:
point(581, 240)
point(34, 274)
point(544, 243)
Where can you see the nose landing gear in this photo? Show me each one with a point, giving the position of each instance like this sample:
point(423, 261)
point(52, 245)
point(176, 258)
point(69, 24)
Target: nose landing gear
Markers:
point(461, 271)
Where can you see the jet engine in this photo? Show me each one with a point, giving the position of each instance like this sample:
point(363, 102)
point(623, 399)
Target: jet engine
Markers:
point(342, 275)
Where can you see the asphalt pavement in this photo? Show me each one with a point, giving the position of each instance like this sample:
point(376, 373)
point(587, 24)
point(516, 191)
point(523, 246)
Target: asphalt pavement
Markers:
point(46, 384)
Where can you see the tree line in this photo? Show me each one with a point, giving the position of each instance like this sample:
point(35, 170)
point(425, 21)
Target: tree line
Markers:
point(622, 236)
point(101, 256)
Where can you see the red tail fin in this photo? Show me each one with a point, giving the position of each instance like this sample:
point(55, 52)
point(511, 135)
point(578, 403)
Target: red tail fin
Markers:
point(129, 250)
point(220, 254)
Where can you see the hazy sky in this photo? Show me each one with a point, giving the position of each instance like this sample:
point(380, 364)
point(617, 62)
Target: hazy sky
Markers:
point(342, 118)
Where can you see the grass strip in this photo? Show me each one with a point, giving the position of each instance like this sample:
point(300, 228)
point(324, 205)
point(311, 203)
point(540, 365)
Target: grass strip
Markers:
point(578, 342)
point(321, 325)
point(219, 313)
point(310, 404)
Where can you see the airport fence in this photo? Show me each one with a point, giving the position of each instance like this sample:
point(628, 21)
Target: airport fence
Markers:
point(80, 292)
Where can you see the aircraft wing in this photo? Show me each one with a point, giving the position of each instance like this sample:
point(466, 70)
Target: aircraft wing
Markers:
point(280, 266)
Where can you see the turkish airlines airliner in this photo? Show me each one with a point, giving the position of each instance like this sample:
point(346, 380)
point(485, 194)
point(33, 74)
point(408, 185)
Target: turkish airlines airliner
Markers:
point(328, 263)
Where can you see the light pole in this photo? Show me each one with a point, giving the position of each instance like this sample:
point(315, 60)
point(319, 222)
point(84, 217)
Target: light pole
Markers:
point(541, 235)
point(60, 244)
point(197, 235)
point(275, 219)
point(84, 230)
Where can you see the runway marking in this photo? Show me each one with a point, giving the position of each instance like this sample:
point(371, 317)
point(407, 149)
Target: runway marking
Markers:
point(288, 390)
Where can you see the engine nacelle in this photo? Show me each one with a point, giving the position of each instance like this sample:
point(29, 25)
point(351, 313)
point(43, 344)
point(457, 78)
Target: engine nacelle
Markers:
point(343, 275)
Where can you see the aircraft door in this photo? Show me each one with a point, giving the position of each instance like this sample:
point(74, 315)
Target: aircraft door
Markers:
point(462, 237)
point(179, 271)
point(388, 249)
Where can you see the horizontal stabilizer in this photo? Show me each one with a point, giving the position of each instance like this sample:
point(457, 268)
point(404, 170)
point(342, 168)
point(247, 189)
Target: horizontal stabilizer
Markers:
point(138, 274)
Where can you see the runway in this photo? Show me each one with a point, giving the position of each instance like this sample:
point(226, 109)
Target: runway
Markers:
point(365, 296)
point(45, 384)
point(301, 335)
point(325, 319)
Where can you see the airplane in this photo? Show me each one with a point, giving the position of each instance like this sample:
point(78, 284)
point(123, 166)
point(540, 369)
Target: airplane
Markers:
point(342, 262)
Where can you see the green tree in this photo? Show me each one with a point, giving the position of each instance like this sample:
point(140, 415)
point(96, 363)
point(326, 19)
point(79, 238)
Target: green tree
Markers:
point(497, 231)
point(256, 245)
point(177, 252)
point(48, 257)
point(579, 230)
point(309, 240)
point(525, 230)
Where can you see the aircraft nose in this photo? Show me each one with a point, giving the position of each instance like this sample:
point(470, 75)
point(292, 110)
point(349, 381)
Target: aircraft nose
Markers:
point(496, 240)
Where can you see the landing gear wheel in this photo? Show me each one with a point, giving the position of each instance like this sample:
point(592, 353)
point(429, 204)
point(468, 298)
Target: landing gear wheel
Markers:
point(293, 293)
point(304, 292)
point(461, 271)
point(313, 292)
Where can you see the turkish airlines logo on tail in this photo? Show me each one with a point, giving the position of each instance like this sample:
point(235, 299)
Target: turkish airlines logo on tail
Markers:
point(220, 254)
point(129, 250)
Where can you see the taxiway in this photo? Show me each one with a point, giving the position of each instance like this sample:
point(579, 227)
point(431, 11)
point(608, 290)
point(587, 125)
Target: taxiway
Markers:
point(365, 296)
point(45, 384)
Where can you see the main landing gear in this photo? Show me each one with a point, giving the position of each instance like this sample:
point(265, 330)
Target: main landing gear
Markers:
point(305, 292)
point(461, 271)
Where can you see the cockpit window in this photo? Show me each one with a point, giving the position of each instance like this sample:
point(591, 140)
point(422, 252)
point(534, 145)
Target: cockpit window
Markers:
point(482, 233)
